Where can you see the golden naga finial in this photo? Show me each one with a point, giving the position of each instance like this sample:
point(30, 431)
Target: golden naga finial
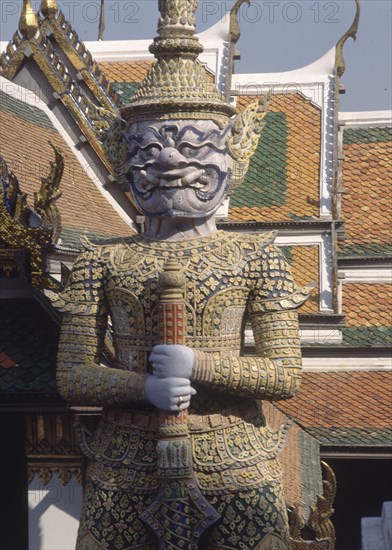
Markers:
point(49, 8)
point(28, 22)
point(235, 31)
point(351, 33)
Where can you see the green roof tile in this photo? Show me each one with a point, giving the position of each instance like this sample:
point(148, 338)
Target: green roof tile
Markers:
point(29, 113)
point(366, 135)
point(29, 337)
point(125, 90)
point(367, 249)
point(353, 437)
point(265, 183)
point(288, 253)
point(367, 336)
point(71, 238)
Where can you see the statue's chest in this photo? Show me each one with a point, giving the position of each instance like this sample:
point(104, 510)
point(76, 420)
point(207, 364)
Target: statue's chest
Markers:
point(215, 292)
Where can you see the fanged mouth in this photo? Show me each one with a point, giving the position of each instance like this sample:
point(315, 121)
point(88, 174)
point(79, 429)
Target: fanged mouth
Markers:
point(176, 178)
point(203, 181)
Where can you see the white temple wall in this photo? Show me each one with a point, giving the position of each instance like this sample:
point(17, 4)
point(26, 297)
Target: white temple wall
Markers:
point(54, 512)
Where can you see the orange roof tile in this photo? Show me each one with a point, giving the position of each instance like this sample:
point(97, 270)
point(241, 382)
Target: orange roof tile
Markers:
point(367, 308)
point(366, 205)
point(342, 400)
point(275, 192)
point(25, 147)
point(125, 71)
point(304, 261)
point(5, 361)
point(367, 305)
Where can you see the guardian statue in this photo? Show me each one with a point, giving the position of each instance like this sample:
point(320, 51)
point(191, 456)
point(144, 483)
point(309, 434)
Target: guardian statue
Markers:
point(182, 457)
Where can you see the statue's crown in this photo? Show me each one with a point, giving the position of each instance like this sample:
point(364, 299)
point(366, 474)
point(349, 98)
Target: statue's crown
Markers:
point(178, 85)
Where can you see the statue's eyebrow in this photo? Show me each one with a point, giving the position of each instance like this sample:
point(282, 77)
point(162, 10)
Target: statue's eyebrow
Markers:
point(197, 138)
point(144, 139)
point(213, 137)
point(197, 133)
point(148, 134)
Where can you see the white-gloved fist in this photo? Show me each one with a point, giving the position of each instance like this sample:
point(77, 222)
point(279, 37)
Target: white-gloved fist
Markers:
point(169, 361)
point(169, 394)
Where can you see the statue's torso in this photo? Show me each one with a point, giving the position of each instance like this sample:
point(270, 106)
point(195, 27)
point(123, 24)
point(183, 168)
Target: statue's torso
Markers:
point(232, 447)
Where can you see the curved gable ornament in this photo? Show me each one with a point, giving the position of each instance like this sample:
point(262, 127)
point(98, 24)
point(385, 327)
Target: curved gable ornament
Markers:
point(30, 231)
point(340, 64)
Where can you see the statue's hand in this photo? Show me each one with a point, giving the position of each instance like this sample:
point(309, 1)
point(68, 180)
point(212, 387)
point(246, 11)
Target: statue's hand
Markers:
point(169, 394)
point(172, 361)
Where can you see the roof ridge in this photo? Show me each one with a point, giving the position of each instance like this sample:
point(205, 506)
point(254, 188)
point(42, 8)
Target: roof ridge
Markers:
point(17, 92)
point(60, 26)
point(93, 119)
point(80, 107)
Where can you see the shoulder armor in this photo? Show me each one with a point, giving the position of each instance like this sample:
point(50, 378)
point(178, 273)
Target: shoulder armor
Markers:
point(274, 287)
point(83, 294)
point(291, 301)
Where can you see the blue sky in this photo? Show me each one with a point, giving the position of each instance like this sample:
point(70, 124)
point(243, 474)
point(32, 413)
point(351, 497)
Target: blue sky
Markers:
point(276, 36)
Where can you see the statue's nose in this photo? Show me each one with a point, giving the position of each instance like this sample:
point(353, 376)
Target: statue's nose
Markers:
point(170, 158)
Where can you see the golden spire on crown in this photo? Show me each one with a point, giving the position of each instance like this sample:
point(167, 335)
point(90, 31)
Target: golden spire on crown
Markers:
point(178, 84)
point(28, 22)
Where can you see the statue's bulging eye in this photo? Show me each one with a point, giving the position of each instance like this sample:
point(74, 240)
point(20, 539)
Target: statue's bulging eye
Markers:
point(151, 152)
point(188, 151)
point(193, 152)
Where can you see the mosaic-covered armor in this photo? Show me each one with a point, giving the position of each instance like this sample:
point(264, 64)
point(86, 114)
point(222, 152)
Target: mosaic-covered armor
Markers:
point(234, 451)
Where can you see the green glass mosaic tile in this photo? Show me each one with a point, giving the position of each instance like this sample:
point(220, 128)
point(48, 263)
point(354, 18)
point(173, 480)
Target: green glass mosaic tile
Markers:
point(266, 183)
point(367, 336)
point(366, 135)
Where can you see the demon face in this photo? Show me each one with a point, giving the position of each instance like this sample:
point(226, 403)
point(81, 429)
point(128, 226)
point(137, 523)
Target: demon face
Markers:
point(178, 169)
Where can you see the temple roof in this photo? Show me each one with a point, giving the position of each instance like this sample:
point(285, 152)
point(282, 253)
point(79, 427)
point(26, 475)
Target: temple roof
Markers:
point(367, 307)
point(344, 408)
point(304, 261)
point(129, 72)
point(301, 472)
point(125, 76)
point(75, 79)
point(27, 131)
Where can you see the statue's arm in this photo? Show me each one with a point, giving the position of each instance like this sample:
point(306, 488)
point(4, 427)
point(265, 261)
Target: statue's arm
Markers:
point(81, 378)
point(275, 372)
